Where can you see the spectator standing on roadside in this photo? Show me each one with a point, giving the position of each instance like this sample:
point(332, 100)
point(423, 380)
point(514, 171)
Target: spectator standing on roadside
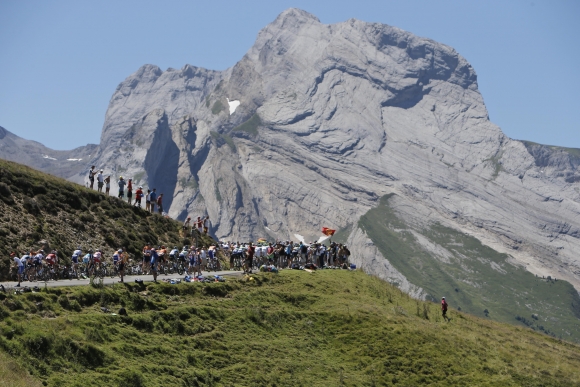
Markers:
point(249, 258)
point(100, 181)
point(148, 201)
point(160, 204)
point(203, 256)
point(197, 262)
point(130, 191)
point(153, 200)
point(154, 261)
point(124, 259)
point(107, 185)
point(92, 176)
point(122, 184)
point(20, 265)
point(303, 253)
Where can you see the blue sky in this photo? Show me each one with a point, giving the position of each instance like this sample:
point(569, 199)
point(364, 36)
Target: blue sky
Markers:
point(60, 61)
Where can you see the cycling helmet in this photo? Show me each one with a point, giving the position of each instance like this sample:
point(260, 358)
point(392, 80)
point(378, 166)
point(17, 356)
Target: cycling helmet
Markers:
point(175, 247)
point(90, 251)
point(120, 251)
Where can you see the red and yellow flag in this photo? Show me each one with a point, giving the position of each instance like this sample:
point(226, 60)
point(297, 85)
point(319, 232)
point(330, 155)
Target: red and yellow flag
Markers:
point(328, 231)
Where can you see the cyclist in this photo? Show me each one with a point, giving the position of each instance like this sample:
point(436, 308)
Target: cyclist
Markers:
point(173, 253)
point(88, 261)
point(37, 261)
point(75, 260)
point(213, 262)
point(27, 263)
point(52, 259)
point(184, 253)
point(97, 256)
point(146, 259)
point(162, 254)
point(117, 259)
point(191, 256)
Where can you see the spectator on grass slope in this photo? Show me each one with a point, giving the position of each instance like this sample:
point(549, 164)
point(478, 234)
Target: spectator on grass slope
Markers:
point(160, 204)
point(199, 224)
point(107, 185)
point(148, 201)
point(153, 200)
point(100, 181)
point(92, 176)
point(206, 225)
point(187, 225)
point(122, 184)
point(138, 196)
point(129, 191)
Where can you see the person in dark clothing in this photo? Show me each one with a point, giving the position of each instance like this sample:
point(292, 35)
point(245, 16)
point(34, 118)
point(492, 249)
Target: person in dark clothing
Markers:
point(153, 199)
point(444, 306)
point(249, 258)
point(160, 204)
point(92, 176)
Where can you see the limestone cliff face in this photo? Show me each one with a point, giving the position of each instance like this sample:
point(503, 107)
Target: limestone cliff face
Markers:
point(331, 118)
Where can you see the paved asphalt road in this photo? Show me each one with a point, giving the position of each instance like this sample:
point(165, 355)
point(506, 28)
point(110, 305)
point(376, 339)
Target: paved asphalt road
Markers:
point(110, 281)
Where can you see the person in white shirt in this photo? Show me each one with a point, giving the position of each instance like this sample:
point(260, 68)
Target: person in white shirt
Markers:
point(100, 181)
point(18, 263)
point(174, 253)
point(203, 257)
point(148, 200)
point(258, 255)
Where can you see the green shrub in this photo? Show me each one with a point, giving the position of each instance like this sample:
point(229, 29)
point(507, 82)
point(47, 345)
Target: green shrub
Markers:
point(31, 206)
point(130, 378)
point(6, 194)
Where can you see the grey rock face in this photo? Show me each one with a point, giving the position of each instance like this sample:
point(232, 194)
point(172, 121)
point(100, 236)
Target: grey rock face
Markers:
point(60, 163)
point(331, 118)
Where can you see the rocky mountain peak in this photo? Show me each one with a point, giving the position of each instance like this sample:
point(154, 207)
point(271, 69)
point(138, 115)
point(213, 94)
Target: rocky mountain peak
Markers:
point(332, 118)
point(294, 16)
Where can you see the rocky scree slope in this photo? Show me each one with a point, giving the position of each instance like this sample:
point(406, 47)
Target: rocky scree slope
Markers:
point(332, 118)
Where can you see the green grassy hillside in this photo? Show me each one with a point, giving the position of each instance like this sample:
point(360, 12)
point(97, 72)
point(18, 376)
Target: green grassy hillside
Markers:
point(328, 328)
point(39, 210)
point(475, 278)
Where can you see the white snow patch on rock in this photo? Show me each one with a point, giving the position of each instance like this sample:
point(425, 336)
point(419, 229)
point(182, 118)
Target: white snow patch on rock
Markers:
point(233, 105)
point(48, 157)
point(73, 159)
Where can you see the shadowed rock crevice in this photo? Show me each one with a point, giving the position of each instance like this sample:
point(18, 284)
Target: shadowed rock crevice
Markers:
point(161, 162)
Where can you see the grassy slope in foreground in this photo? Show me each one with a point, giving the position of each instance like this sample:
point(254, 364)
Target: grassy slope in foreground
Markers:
point(329, 328)
point(36, 207)
point(475, 278)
